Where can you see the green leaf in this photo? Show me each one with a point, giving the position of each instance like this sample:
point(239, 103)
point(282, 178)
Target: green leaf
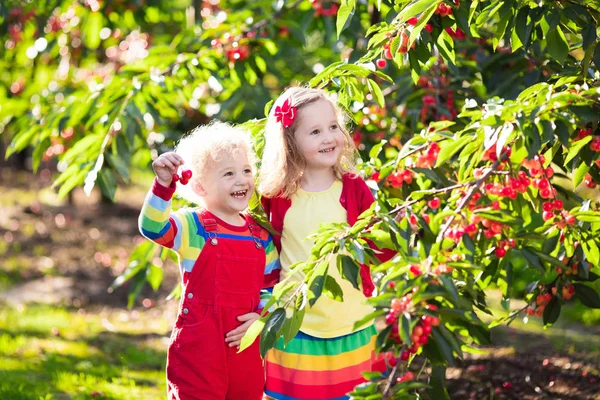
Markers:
point(344, 15)
point(443, 345)
point(576, 148)
point(252, 333)
point(596, 57)
point(550, 244)
point(117, 162)
point(332, 289)
point(518, 38)
point(91, 30)
point(358, 251)
point(136, 287)
point(557, 45)
point(579, 174)
point(376, 91)
point(270, 333)
point(533, 260)
point(415, 8)
point(107, 183)
point(154, 276)
point(552, 311)
point(445, 45)
point(349, 269)
point(450, 147)
point(423, 20)
point(591, 251)
point(293, 326)
point(437, 381)
point(317, 282)
point(588, 296)
point(588, 216)
point(405, 329)
point(506, 14)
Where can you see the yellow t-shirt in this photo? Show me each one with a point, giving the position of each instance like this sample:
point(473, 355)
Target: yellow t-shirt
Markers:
point(327, 318)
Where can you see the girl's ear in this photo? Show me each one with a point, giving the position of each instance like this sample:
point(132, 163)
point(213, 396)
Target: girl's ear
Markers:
point(198, 188)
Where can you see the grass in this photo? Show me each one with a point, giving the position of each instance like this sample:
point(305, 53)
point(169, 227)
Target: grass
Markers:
point(57, 353)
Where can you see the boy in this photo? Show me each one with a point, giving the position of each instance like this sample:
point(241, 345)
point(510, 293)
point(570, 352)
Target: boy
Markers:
point(225, 259)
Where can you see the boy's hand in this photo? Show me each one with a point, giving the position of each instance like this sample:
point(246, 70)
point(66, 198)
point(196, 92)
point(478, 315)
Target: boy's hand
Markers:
point(234, 337)
point(165, 166)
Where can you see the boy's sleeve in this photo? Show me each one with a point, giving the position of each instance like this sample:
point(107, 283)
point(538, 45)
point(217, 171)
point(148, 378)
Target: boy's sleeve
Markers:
point(271, 275)
point(157, 223)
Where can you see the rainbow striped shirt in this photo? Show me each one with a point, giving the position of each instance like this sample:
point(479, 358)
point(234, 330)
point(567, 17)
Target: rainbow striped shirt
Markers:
point(182, 232)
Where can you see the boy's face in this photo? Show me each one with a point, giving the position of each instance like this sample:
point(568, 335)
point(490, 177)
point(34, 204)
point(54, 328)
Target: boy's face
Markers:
point(318, 135)
point(228, 185)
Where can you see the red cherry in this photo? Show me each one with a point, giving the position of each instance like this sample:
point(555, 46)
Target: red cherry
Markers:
point(558, 204)
point(175, 177)
point(435, 203)
point(548, 206)
point(390, 319)
point(387, 53)
point(381, 63)
point(186, 174)
point(184, 181)
point(404, 355)
point(500, 252)
point(426, 329)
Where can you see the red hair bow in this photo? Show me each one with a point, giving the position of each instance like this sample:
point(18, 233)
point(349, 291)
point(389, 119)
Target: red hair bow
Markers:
point(285, 114)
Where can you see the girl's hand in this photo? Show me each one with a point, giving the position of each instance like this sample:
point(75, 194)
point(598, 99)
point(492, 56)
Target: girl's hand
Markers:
point(234, 337)
point(165, 166)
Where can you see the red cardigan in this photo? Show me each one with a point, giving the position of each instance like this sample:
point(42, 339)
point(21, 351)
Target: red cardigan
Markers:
point(356, 198)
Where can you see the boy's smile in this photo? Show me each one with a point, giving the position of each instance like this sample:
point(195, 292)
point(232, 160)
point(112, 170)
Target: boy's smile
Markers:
point(227, 187)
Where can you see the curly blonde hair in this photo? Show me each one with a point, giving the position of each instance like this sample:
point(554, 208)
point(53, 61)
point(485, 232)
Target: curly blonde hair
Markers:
point(282, 163)
point(203, 147)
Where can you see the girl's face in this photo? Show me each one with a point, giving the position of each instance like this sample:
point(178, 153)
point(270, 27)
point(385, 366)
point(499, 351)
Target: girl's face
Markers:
point(318, 135)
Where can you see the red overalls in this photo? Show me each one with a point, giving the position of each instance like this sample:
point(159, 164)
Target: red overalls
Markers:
point(224, 284)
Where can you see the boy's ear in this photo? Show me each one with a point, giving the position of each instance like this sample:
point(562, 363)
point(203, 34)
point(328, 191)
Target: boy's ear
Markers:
point(198, 188)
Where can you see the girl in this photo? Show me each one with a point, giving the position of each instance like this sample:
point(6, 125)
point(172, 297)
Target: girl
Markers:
point(225, 260)
point(307, 178)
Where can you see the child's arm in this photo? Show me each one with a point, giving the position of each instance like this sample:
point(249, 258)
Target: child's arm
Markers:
point(156, 221)
point(271, 277)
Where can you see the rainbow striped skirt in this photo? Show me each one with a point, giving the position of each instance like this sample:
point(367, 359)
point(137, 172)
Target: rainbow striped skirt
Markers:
point(311, 368)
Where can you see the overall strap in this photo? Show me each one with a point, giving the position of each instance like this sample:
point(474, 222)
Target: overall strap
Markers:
point(211, 227)
point(255, 230)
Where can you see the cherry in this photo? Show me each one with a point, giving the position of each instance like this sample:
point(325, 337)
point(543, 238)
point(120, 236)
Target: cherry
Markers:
point(176, 177)
point(435, 203)
point(415, 270)
point(381, 63)
point(390, 319)
point(500, 252)
point(186, 174)
point(558, 204)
